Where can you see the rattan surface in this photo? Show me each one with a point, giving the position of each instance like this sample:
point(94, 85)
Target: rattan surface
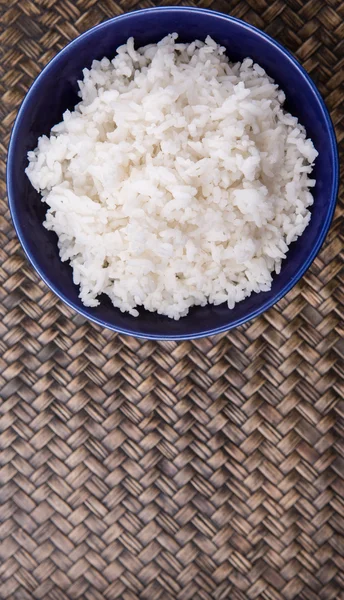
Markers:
point(176, 471)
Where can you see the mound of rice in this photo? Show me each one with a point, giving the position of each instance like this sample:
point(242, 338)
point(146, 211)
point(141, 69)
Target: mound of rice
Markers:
point(177, 180)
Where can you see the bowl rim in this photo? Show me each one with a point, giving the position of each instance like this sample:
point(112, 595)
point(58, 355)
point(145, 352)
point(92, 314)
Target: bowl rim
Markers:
point(306, 264)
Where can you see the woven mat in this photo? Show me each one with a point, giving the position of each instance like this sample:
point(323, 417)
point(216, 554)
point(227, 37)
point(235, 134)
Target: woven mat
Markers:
point(174, 471)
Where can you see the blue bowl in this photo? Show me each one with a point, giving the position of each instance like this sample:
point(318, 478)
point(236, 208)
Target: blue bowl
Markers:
point(55, 90)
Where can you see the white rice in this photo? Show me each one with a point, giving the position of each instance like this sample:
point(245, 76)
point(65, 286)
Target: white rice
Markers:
point(177, 180)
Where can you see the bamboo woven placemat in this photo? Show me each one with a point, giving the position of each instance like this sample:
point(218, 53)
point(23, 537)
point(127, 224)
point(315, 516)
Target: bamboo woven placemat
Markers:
point(198, 470)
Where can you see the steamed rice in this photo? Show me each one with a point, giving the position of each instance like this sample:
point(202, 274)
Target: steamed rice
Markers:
point(177, 180)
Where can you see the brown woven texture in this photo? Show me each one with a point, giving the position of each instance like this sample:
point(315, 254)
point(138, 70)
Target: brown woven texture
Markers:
point(199, 470)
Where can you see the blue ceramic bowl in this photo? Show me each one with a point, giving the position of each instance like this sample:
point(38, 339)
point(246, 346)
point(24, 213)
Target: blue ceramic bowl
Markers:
point(55, 90)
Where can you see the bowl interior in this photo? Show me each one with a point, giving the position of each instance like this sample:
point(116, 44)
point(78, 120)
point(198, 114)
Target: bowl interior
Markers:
point(56, 90)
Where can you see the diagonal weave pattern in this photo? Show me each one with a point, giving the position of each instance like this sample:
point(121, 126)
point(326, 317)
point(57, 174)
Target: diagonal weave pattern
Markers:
point(192, 471)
